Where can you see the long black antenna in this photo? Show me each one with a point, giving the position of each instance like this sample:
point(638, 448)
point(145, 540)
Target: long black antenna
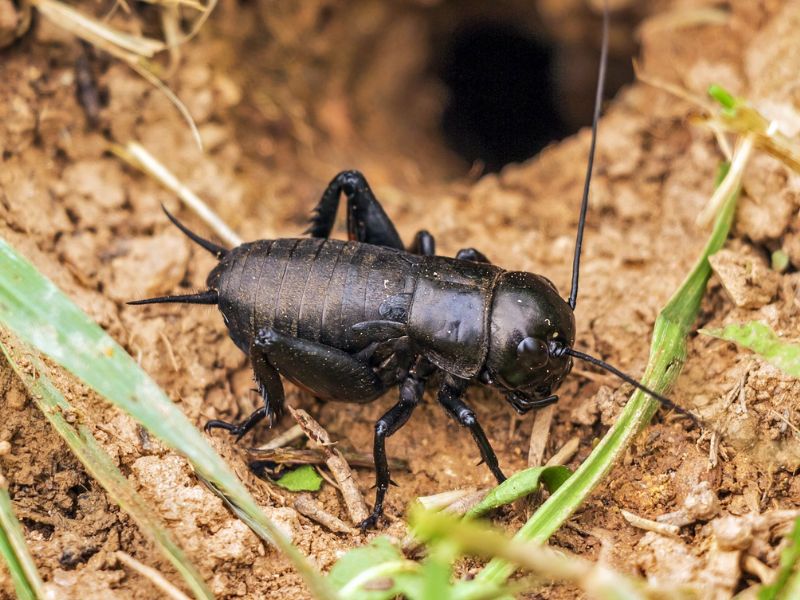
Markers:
point(217, 251)
point(627, 378)
point(598, 103)
point(207, 297)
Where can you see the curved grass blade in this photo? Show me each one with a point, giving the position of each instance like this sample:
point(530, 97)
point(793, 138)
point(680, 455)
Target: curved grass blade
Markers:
point(761, 339)
point(667, 355)
point(787, 582)
point(27, 582)
point(38, 313)
point(97, 462)
point(519, 485)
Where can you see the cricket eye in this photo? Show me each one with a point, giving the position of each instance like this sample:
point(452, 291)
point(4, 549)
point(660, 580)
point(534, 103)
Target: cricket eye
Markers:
point(532, 353)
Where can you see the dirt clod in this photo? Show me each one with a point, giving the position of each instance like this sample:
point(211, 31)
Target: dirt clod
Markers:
point(746, 277)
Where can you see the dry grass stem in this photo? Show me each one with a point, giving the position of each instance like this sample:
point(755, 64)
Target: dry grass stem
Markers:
point(132, 50)
point(137, 156)
point(732, 180)
point(463, 505)
point(152, 575)
point(96, 32)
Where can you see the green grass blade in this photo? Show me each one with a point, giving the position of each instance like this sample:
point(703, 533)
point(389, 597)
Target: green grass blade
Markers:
point(761, 339)
point(667, 354)
point(519, 485)
point(787, 581)
point(98, 463)
point(14, 550)
point(37, 312)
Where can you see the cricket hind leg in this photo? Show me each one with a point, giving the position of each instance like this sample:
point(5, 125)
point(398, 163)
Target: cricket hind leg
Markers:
point(325, 371)
point(366, 220)
point(270, 388)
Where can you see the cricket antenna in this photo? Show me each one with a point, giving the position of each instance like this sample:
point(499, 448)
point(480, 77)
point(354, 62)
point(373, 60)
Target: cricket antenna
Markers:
point(556, 349)
point(207, 297)
point(217, 251)
point(598, 102)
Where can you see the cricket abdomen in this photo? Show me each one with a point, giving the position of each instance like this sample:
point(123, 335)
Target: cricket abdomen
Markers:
point(315, 289)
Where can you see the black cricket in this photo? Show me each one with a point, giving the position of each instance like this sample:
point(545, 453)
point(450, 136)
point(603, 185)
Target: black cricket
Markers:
point(349, 320)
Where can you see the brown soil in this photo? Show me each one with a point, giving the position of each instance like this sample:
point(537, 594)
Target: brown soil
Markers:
point(287, 94)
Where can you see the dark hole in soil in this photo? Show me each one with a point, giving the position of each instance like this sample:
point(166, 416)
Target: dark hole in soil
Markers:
point(502, 106)
point(506, 91)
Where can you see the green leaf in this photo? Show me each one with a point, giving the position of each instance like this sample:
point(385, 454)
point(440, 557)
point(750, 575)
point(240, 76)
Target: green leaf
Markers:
point(520, 485)
point(302, 479)
point(761, 339)
point(38, 313)
point(667, 355)
point(723, 96)
point(786, 582)
point(378, 571)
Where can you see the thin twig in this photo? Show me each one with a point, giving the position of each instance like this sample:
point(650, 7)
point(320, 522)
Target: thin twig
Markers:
point(306, 505)
point(596, 578)
point(354, 501)
point(650, 525)
point(151, 574)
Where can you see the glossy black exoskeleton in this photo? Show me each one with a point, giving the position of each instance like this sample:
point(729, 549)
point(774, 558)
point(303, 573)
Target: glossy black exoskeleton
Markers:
point(349, 320)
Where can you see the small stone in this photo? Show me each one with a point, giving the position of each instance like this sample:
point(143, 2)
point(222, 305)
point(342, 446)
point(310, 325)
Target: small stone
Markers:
point(16, 399)
point(772, 195)
point(5, 447)
point(746, 277)
point(702, 503)
point(665, 560)
point(733, 533)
